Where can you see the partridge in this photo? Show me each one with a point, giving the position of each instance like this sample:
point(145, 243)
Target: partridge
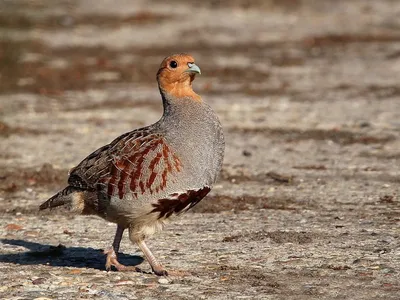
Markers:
point(147, 175)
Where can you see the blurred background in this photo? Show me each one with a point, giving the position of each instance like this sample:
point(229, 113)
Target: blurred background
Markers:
point(308, 95)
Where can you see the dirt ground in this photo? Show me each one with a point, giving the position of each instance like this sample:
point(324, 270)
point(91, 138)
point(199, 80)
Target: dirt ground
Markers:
point(307, 205)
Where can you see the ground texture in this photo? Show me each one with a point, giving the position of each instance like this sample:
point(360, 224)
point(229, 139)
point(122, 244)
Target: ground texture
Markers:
point(307, 205)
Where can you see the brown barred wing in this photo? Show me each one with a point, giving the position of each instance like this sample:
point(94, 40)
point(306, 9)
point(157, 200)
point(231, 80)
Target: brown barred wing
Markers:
point(143, 165)
point(87, 174)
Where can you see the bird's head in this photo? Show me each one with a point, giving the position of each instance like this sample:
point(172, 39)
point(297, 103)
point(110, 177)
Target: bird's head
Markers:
point(176, 74)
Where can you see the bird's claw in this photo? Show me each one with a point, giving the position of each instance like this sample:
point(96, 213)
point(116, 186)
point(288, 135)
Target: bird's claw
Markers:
point(111, 260)
point(160, 272)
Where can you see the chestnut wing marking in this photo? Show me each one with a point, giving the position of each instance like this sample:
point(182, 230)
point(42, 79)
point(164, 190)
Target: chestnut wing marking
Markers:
point(144, 166)
point(179, 202)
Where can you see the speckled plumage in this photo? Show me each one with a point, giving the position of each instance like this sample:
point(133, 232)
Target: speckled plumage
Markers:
point(149, 174)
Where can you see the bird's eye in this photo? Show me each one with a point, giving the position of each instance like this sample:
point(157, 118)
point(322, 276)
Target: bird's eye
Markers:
point(173, 64)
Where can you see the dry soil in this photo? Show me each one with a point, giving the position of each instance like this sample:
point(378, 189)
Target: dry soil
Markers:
point(307, 205)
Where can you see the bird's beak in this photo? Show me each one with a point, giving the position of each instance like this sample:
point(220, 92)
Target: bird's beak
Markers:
point(193, 68)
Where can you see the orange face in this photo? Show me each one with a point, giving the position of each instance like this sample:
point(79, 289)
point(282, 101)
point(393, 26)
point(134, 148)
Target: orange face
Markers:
point(176, 74)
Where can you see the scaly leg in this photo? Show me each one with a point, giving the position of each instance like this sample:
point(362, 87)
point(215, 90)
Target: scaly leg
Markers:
point(158, 269)
point(111, 252)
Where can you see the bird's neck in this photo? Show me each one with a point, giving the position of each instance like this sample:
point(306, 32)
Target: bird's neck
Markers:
point(178, 90)
point(185, 111)
point(185, 105)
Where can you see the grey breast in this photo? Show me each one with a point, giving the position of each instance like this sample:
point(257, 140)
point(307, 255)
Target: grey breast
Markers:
point(194, 132)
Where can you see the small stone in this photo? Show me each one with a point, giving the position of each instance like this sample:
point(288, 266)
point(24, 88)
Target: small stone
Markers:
point(32, 233)
point(163, 281)
point(388, 271)
point(13, 227)
point(38, 280)
point(246, 153)
point(125, 282)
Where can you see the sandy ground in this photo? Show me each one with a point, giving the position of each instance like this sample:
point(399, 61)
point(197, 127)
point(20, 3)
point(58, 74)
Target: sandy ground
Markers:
point(308, 92)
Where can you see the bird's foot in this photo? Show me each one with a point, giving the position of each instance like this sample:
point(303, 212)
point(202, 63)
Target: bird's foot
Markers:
point(160, 271)
point(111, 261)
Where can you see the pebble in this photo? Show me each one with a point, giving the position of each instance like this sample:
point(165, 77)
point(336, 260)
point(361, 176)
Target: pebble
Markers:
point(38, 280)
point(163, 281)
point(246, 153)
point(125, 282)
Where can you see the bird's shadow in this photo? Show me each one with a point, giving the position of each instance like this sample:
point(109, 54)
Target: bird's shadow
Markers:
point(61, 256)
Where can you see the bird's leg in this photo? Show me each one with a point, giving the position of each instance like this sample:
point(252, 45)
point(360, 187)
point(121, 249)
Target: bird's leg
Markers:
point(157, 268)
point(112, 252)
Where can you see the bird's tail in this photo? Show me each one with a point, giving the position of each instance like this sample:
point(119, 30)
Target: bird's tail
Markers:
point(61, 198)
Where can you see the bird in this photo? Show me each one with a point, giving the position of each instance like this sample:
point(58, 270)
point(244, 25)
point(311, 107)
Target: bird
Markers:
point(146, 176)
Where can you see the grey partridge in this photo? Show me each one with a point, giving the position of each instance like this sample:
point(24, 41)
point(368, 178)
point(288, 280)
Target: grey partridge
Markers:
point(145, 176)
